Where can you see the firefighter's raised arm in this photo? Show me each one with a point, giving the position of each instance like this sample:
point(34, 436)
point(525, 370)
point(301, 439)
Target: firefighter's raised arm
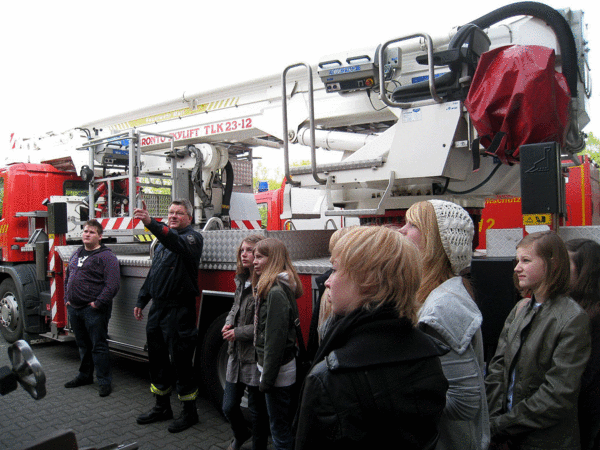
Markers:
point(142, 214)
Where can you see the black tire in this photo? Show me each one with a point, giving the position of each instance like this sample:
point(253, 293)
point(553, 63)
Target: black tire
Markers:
point(11, 312)
point(213, 362)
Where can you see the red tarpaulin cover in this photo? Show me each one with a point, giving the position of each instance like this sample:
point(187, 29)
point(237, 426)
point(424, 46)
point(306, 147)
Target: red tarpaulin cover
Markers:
point(518, 98)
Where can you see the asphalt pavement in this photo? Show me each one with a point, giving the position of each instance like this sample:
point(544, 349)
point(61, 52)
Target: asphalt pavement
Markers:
point(99, 422)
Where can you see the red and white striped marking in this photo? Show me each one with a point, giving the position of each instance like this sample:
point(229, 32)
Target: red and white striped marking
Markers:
point(51, 266)
point(58, 311)
point(246, 224)
point(127, 223)
point(123, 223)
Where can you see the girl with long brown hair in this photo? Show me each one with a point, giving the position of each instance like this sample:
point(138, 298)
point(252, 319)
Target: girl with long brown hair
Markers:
point(277, 286)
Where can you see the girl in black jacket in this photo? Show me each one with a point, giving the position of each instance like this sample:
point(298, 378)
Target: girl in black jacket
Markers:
point(377, 381)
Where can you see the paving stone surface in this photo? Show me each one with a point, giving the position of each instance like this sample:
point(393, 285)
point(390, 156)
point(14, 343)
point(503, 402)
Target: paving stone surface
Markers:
point(99, 422)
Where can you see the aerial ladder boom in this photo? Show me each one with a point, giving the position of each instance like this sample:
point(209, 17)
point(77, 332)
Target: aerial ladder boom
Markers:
point(398, 145)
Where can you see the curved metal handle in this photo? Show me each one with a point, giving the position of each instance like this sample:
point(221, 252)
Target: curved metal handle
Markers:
point(330, 221)
point(311, 114)
point(432, 91)
point(214, 223)
point(290, 223)
point(153, 248)
point(27, 367)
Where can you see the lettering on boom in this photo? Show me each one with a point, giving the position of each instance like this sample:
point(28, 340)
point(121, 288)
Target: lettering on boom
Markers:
point(228, 126)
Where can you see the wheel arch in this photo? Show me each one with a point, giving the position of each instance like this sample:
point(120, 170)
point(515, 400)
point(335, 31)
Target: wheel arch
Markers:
point(212, 305)
point(28, 289)
point(209, 358)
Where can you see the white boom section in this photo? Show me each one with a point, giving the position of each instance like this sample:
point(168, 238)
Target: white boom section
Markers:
point(392, 156)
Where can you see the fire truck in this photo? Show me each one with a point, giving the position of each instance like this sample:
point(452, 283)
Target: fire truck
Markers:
point(395, 112)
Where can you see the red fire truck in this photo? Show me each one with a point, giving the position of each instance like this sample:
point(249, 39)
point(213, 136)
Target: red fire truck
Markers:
point(403, 138)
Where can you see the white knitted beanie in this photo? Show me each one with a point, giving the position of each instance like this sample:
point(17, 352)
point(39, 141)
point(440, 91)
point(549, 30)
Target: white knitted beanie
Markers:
point(456, 232)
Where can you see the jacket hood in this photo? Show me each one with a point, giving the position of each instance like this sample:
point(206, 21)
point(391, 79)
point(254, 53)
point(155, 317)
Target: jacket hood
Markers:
point(102, 248)
point(451, 312)
point(284, 280)
point(243, 280)
point(394, 339)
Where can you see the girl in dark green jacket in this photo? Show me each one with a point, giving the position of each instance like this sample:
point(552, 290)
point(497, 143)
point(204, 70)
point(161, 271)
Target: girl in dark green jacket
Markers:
point(277, 286)
point(534, 378)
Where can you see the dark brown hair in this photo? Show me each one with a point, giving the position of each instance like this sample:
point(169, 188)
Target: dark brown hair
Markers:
point(585, 288)
point(94, 223)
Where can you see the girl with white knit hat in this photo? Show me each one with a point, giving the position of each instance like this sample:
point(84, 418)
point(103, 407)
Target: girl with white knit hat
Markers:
point(443, 231)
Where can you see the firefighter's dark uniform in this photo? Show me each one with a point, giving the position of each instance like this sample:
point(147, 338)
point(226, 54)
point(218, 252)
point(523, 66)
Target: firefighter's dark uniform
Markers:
point(172, 284)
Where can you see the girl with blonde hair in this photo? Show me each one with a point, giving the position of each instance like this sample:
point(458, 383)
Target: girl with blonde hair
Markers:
point(376, 380)
point(326, 318)
point(443, 232)
point(277, 286)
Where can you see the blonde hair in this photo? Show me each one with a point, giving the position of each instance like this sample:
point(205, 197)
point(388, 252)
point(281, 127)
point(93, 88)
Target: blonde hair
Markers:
point(278, 261)
point(325, 309)
point(384, 265)
point(337, 234)
point(252, 240)
point(436, 265)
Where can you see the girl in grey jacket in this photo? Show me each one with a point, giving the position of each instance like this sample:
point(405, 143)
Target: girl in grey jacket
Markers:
point(443, 231)
point(242, 372)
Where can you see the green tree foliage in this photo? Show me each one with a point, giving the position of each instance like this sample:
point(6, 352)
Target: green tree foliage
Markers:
point(273, 176)
point(592, 147)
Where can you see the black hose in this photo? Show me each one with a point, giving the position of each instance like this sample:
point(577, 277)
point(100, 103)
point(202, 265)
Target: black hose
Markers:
point(474, 188)
point(228, 188)
point(555, 20)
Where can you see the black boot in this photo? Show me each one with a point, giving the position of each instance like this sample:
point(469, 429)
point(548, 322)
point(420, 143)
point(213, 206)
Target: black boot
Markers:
point(161, 411)
point(188, 417)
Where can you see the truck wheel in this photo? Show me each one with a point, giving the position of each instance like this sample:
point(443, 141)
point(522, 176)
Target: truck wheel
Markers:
point(213, 362)
point(11, 310)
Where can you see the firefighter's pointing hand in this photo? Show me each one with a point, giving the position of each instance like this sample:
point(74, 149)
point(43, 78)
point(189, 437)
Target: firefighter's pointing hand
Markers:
point(142, 214)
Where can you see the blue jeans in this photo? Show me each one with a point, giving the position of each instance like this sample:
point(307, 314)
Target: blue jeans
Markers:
point(258, 411)
point(279, 400)
point(91, 333)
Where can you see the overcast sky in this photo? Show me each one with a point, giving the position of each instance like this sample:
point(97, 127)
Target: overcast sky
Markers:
point(66, 63)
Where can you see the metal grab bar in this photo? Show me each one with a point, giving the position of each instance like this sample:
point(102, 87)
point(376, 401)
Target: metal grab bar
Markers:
point(311, 113)
point(382, 94)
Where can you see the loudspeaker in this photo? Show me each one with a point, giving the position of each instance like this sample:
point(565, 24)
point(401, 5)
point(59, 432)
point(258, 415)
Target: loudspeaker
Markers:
point(542, 185)
point(57, 218)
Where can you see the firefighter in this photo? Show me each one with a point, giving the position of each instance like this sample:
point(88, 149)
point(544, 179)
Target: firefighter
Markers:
point(172, 285)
